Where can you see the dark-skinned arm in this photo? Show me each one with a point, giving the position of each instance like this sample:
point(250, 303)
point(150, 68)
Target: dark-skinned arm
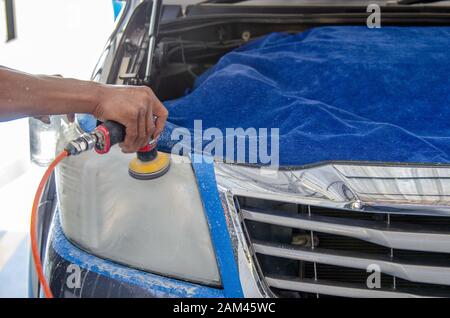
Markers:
point(23, 95)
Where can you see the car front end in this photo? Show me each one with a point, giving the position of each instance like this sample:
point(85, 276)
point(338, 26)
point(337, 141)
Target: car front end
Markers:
point(229, 229)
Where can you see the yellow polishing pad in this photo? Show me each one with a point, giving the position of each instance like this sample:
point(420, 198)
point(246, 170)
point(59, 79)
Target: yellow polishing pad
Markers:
point(149, 169)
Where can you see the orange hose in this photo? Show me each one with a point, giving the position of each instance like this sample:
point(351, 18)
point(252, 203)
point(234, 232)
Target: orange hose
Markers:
point(34, 215)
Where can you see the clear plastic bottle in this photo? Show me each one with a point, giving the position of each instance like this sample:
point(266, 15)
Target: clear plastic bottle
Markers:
point(43, 138)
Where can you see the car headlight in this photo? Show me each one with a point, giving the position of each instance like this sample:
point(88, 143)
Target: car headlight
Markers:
point(156, 225)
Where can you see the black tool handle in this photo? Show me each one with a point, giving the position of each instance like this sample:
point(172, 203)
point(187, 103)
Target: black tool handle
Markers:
point(108, 134)
point(116, 132)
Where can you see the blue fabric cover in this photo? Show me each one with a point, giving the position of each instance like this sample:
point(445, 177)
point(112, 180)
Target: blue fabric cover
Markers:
point(336, 93)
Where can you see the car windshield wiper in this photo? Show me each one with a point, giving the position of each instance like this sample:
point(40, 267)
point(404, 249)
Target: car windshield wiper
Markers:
point(418, 1)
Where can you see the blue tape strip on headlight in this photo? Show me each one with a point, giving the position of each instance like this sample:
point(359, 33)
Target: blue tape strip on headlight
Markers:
point(220, 237)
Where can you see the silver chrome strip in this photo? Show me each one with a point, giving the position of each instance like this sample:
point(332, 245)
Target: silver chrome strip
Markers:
point(362, 187)
point(252, 284)
point(403, 189)
point(334, 289)
point(413, 273)
point(417, 241)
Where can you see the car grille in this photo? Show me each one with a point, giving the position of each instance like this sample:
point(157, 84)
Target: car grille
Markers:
point(310, 251)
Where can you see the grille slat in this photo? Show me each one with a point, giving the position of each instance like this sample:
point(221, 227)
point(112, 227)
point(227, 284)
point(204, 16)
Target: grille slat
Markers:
point(379, 234)
point(332, 288)
point(303, 250)
point(415, 273)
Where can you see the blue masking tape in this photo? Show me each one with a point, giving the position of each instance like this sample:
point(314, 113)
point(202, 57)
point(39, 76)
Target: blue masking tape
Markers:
point(218, 228)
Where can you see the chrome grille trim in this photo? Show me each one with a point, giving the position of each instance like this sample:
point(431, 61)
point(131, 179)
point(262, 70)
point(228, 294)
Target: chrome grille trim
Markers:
point(418, 241)
point(402, 189)
point(405, 193)
point(333, 289)
point(252, 282)
point(414, 273)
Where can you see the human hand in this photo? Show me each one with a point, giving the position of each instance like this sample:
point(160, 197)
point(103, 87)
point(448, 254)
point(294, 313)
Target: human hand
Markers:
point(135, 107)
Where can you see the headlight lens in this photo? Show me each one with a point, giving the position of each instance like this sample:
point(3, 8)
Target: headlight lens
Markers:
point(156, 225)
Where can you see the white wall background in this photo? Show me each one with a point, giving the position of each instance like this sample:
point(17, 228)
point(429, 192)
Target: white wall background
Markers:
point(57, 36)
point(53, 37)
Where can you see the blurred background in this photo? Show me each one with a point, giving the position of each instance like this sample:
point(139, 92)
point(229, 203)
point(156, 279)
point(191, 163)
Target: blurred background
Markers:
point(63, 37)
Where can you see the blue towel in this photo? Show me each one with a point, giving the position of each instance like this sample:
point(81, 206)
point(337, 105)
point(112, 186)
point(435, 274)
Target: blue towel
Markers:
point(335, 93)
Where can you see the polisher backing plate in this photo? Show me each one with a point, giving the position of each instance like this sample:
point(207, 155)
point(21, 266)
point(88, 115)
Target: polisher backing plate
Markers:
point(149, 170)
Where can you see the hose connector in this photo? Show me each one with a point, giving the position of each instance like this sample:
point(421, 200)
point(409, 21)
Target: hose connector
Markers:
point(101, 139)
point(83, 143)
